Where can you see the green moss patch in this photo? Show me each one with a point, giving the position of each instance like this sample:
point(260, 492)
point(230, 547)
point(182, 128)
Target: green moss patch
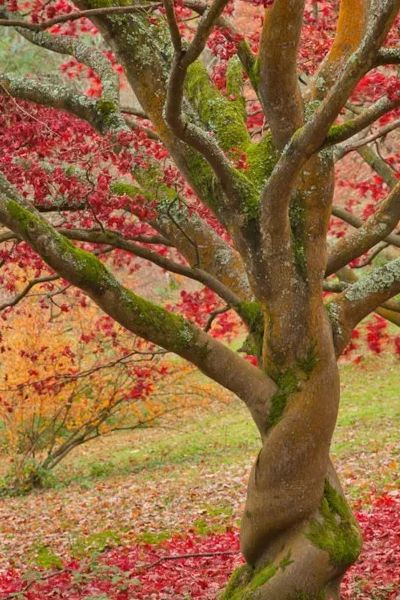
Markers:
point(245, 581)
point(336, 531)
point(222, 116)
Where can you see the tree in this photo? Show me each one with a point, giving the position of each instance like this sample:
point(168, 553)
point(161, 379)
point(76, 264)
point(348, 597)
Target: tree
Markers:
point(58, 393)
point(227, 178)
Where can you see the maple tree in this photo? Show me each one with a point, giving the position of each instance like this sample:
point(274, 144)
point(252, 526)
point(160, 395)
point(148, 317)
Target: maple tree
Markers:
point(221, 169)
point(58, 393)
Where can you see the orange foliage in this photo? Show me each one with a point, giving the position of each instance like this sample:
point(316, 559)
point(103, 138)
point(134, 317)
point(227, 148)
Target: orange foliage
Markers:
point(64, 385)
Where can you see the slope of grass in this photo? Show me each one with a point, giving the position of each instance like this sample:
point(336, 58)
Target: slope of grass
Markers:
point(368, 425)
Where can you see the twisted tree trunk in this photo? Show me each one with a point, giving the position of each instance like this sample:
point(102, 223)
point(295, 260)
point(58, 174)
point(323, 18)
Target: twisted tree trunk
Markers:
point(298, 534)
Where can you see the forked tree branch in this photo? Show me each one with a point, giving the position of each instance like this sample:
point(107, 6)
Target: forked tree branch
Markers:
point(86, 55)
point(309, 138)
point(18, 297)
point(154, 323)
point(193, 135)
point(380, 133)
point(376, 228)
point(279, 87)
point(347, 129)
point(244, 52)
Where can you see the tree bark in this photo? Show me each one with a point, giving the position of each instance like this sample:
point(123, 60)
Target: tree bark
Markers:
point(298, 534)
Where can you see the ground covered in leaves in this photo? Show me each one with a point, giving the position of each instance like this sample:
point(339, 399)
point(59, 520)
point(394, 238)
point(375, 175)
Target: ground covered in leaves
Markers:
point(197, 566)
point(121, 510)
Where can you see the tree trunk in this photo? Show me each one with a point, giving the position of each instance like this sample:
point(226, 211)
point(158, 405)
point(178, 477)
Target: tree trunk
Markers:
point(298, 534)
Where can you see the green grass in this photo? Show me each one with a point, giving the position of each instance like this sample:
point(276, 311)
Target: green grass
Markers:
point(224, 435)
point(370, 406)
point(368, 424)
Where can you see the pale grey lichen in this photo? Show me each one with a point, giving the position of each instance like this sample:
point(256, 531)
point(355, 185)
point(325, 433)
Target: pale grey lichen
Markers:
point(334, 315)
point(378, 281)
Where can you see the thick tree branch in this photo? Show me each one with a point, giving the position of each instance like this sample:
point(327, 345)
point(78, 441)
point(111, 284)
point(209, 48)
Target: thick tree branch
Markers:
point(388, 309)
point(379, 165)
point(73, 16)
point(138, 315)
point(278, 86)
point(61, 97)
point(345, 215)
point(362, 298)
point(345, 130)
point(376, 228)
point(388, 56)
point(56, 96)
point(349, 31)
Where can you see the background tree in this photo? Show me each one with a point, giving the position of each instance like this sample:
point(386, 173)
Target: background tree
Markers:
point(61, 390)
point(222, 170)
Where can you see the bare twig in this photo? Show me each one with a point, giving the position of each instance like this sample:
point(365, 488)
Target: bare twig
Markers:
point(73, 16)
point(27, 288)
point(213, 315)
point(191, 555)
point(370, 138)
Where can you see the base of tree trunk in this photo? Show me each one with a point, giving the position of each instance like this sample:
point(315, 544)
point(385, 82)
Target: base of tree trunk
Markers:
point(306, 562)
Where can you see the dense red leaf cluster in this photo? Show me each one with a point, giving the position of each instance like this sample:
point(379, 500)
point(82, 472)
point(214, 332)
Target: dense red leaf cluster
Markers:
point(141, 572)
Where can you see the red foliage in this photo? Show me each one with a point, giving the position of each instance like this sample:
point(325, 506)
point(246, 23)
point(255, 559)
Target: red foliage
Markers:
point(377, 574)
point(141, 572)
